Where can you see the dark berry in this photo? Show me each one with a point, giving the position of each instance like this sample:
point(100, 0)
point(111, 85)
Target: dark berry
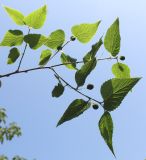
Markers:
point(122, 58)
point(72, 38)
point(59, 48)
point(90, 86)
point(95, 106)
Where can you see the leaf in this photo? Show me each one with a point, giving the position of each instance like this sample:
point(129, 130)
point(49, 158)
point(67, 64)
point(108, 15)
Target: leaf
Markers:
point(112, 39)
point(13, 56)
point(67, 59)
point(55, 39)
point(35, 40)
point(92, 53)
point(15, 15)
point(58, 90)
point(114, 91)
point(85, 70)
point(106, 129)
point(121, 70)
point(76, 108)
point(12, 38)
point(45, 56)
point(37, 18)
point(84, 32)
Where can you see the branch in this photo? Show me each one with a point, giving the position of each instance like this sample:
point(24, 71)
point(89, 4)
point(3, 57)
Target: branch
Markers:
point(75, 89)
point(49, 67)
point(23, 53)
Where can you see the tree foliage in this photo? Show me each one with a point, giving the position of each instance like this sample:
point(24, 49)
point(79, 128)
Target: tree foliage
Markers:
point(113, 91)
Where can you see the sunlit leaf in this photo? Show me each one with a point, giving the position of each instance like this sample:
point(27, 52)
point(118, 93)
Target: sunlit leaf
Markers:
point(12, 38)
point(121, 70)
point(35, 40)
point(114, 91)
point(45, 56)
point(85, 70)
point(112, 38)
point(106, 129)
point(55, 39)
point(67, 59)
point(76, 108)
point(92, 53)
point(37, 18)
point(15, 15)
point(84, 32)
point(13, 56)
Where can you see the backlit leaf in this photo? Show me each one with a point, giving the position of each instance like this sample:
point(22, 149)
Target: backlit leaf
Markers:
point(76, 108)
point(35, 40)
point(114, 91)
point(15, 15)
point(67, 59)
point(84, 32)
point(12, 38)
point(106, 129)
point(55, 39)
point(112, 39)
point(13, 56)
point(58, 90)
point(121, 70)
point(92, 53)
point(37, 18)
point(85, 70)
point(45, 56)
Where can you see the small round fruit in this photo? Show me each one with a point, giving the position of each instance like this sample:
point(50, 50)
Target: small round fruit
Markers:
point(95, 106)
point(59, 48)
point(90, 86)
point(122, 58)
point(72, 38)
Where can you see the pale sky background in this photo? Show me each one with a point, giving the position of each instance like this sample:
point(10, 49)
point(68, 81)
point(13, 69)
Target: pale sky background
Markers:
point(27, 97)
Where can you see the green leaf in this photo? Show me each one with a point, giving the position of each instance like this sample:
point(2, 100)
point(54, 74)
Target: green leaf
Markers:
point(55, 39)
point(15, 15)
point(106, 129)
point(58, 90)
point(84, 32)
point(112, 39)
point(76, 108)
point(85, 70)
point(13, 56)
point(45, 56)
point(12, 38)
point(67, 59)
point(114, 91)
point(35, 40)
point(92, 53)
point(121, 70)
point(37, 18)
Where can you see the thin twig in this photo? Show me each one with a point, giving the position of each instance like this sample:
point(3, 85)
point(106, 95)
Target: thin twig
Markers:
point(49, 67)
point(23, 53)
point(73, 88)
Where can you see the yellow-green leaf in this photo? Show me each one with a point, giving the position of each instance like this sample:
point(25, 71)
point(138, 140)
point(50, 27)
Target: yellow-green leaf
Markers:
point(55, 39)
point(84, 32)
point(15, 15)
point(67, 59)
point(37, 18)
point(12, 38)
point(45, 56)
point(121, 70)
point(112, 38)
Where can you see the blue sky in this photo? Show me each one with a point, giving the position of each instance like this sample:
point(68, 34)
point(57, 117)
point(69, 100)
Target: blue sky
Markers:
point(27, 97)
